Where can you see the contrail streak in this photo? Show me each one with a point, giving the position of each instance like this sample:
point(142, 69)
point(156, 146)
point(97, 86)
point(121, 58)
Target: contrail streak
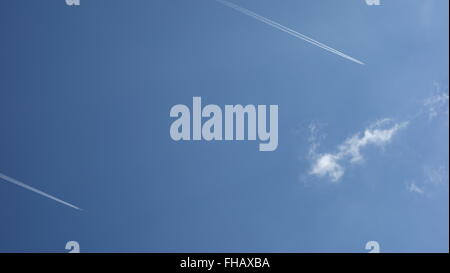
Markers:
point(287, 30)
point(23, 185)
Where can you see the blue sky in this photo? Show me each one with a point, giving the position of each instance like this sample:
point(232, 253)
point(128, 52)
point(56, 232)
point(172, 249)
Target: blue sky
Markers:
point(85, 96)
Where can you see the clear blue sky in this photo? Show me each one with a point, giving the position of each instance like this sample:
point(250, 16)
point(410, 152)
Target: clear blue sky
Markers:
point(85, 94)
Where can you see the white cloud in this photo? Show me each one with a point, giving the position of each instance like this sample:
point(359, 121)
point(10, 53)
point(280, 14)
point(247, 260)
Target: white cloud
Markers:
point(350, 152)
point(437, 104)
point(373, 135)
point(436, 176)
point(434, 180)
point(414, 188)
point(327, 164)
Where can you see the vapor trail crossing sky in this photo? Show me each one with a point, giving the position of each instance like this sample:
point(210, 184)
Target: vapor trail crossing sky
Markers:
point(287, 30)
point(23, 185)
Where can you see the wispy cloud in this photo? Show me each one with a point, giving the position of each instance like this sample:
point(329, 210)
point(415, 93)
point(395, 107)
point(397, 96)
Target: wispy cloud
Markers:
point(328, 165)
point(415, 189)
point(433, 181)
point(287, 30)
point(30, 188)
point(332, 165)
point(436, 175)
point(437, 104)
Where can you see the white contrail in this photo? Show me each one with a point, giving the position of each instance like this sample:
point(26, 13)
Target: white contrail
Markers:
point(287, 30)
point(23, 185)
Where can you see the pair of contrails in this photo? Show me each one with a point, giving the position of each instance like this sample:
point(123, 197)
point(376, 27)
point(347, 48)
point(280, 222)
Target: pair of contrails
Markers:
point(287, 30)
point(241, 10)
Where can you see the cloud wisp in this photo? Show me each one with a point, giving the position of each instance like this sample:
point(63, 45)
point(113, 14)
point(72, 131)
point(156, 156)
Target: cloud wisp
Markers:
point(332, 165)
point(415, 189)
point(436, 105)
point(25, 186)
point(287, 30)
point(434, 180)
